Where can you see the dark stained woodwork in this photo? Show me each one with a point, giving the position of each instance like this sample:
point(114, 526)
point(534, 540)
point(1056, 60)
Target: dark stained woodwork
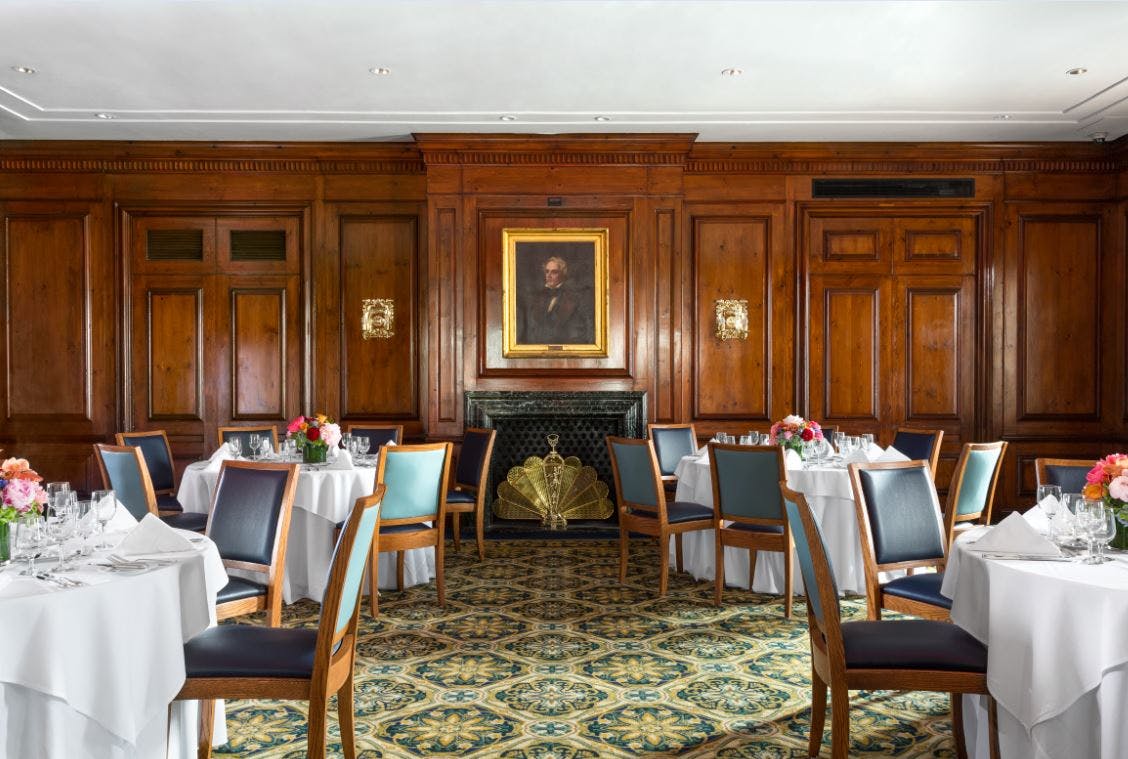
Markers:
point(169, 352)
point(258, 352)
point(849, 351)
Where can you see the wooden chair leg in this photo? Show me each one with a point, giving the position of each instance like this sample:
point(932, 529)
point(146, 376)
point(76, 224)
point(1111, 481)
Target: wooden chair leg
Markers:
point(624, 540)
point(479, 531)
point(839, 722)
point(993, 727)
point(718, 567)
point(752, 554)
point(346, 717)
point(678, 552)
point(818, 713)
point(315, 733)
point(206, 729)
point(399, 570)
point(663, 563)
point(374, 582)
point(788, 582)
point(455, 530)
point(958, 726)
point(439, 586)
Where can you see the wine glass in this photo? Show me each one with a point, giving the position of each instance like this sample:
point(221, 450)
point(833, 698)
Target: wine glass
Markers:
point(867, 439)
point(256, 445)
point(84, 520)
point(105, 506)
point(1102, 528)
point(362, 443)
point(29, 539)
point(236, 446)
point(1089, 519)
point(60, 524)
point(56, 487)
point(1049, 498)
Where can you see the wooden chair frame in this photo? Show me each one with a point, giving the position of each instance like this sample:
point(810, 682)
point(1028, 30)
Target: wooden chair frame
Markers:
point(876, 599)
point(669, 481)
point(644, 519)
point(270, 429)
point(119, 437)
point(478, 508)
point(829, 669)
point(934, 459)
point(400, 542)
point(952, 520)
point(1040, 466)
point(753, 541)
point(275, 571)
point(333, 663)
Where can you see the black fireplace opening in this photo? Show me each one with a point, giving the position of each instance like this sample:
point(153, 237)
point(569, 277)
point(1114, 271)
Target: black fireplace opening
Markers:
point(524, 419)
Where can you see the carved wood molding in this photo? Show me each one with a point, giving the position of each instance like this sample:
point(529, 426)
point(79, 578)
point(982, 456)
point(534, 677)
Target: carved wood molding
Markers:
point(903, 166)
point(555, 150)
point(110, 165)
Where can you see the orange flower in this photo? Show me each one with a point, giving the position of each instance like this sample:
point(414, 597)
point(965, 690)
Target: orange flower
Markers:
point(1093, 491)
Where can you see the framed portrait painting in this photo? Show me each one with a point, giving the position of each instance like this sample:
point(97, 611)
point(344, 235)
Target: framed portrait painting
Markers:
point(554, 292)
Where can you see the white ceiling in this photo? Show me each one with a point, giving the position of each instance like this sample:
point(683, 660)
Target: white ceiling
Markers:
point(281, 70)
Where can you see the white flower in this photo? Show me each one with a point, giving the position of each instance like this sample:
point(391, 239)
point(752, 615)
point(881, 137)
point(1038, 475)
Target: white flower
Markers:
point(793, 419)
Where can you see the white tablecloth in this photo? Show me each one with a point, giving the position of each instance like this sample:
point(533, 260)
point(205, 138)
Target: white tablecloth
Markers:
point(1057, 641)
point(90, 671)
point(324, 497)
point(827, 490)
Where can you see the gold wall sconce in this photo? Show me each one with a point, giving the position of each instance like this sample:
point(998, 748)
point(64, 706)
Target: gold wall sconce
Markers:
point(378, 318)
point(732, 319)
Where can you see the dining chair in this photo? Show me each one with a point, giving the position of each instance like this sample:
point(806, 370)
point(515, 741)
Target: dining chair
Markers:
point(415, 480)
point(225, 434)
point(250, 526)
point(919, 444)
point(971, 493)
point(158, 460)
point(748, 509)
point(900, 528)
point(643, 507)
point(123, 469)
point(671, 442)
point(248, 661)
point(468, 496)
point(902, 654)
point(1068, 473)
point(377, 435)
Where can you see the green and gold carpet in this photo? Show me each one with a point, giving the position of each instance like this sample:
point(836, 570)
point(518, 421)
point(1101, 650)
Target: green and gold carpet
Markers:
point(542, 654)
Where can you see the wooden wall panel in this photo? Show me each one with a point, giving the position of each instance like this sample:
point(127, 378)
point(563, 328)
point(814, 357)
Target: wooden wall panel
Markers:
point(937, 320)
point(379, 259)
point(171, 353)
point(848, 351)
point(258, 353)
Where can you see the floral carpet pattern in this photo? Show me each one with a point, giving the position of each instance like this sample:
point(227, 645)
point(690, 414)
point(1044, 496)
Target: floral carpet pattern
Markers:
point(542, 654)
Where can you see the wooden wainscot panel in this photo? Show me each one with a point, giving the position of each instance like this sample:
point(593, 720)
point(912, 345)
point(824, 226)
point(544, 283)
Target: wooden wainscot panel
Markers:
point(379, 262)
point(732, 373)
point(855, 245)
point(940, 245)
point(170, 244)
point(258, 352)
point(936, 337)
point(168, 353)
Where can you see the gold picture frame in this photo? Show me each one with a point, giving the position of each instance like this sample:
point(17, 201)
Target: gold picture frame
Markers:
point(554, 293)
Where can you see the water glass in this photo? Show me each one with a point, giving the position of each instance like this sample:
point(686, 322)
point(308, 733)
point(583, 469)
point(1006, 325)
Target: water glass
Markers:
point(29, 539)
point(105, 506)
point(60, 525)
point(85, 520)
point(56, 487)
point(256, 445)
point(746, 440)
point(236, 446)
point(840, 443)
point(1049, 498)
point(868, 440)
point(289, 449)
point(1089, 524)
point(362, 444)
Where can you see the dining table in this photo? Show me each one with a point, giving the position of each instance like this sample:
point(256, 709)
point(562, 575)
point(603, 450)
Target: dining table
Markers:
point(1056, 632)
point(324, 496)
point(93, 656)
point(826, 486)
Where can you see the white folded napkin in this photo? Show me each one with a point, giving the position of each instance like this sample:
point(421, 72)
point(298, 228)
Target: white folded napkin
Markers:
point(1014, 535)
point(343, 460)
point(1039, 518)
point(856, 457)
point(702, 451)
point(121, 520)
point(891, 454)
point(215, 461)
point(792, 460)
point(874, 451)
point(151, 535)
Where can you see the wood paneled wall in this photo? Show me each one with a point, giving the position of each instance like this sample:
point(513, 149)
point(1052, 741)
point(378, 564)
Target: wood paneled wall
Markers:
point(1001, 315)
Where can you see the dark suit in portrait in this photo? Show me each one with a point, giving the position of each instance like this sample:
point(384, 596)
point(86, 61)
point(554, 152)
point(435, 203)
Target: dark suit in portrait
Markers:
point(557, 316)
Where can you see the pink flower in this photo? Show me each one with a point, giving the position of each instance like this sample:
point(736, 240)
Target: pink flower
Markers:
point(295, 425)
point(22, 495)
point(331, 434)
point(1118, 488)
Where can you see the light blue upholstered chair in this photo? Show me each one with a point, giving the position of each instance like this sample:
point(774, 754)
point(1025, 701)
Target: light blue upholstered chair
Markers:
point(247, 661)
point(1069, 474)
point(972, 492)
point(158, 459)
point(123, 469)
point(643, 507)
point(900, 527)
point(903, 654)
point(746, 496)
point(671, 443)
point(920, 444)
point(416, 480)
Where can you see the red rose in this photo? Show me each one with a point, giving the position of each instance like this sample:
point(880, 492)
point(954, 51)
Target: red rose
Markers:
point(313, 433)
point(807, 434)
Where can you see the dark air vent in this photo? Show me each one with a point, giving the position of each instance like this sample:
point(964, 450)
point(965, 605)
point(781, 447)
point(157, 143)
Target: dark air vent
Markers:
point(176, 245)
point(258, 245)
point(893, 188)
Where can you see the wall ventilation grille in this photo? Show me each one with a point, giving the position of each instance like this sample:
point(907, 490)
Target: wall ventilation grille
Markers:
point(258, 245)
point(175, 245)
point(893, 188)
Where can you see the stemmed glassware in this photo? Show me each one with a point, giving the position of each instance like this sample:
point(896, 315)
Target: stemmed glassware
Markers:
point(84, 520)
point(362, 444)
point(29, 539)
point(60, 524)
point(1049, 498)
point(236, 446)
point(105, 505)
point(256, 444)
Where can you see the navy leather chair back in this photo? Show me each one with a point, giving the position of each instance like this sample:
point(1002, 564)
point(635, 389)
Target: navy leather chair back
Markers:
point(748, 482)
point(903, 514)
point(670, 444)
point(475, 445)
point(1070, 478)
point(248, 506)
point(635, 464)
point(915, 445)
point(125, 478)
point(377, 436)
point(803, 549)
point(158, 460)
point(244, 437)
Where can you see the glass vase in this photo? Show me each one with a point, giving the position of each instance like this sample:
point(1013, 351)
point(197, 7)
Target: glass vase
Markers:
point(5, 543)
point(1120, 539)
point(314, 453)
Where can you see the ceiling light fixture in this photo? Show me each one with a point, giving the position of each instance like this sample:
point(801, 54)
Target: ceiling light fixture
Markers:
point(105, 116)
point(1077, 71)
point(732, 72)
point(379, 71)
point(602, 118)
point(508, 117)
point(24, 70)
point(1002, 117)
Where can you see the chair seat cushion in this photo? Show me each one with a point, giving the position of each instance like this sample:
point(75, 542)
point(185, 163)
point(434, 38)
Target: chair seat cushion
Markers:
point(460, 496)
point(237, 589)
point(920, 587)
point(771, 529)
point(686, 511)
point(250, 651)
point(189, 520)
point(912, 644)
point(387, 529)
point(168, 502)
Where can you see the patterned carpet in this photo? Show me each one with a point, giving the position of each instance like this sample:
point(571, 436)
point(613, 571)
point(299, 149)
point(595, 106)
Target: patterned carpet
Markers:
point(542, 654)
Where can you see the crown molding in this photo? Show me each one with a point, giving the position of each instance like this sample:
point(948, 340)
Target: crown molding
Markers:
point(555, 150)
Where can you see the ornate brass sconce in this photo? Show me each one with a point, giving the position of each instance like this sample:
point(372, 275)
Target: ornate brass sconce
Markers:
point(732, 319)
point(378, 318)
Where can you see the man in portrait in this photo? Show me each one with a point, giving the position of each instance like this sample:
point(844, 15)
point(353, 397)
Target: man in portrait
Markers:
point(557, 312)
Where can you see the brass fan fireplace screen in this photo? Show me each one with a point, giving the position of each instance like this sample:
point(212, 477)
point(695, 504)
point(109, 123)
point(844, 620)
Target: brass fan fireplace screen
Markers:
point(553, 489)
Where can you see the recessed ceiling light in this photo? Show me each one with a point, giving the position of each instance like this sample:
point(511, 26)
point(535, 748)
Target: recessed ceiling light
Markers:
point(732, 72)
point(24, 70)
point(106, 116)
point(1002, 117)
point(508, 117)
point(602, 118)
point(379, 71)
point(1077, 71)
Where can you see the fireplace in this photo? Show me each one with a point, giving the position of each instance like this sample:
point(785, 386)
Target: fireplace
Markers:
point(523, 419)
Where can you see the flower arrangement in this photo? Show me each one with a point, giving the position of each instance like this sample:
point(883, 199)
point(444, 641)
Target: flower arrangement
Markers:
point(20, 491)
point(792, 431)
point(314, 435)
point(1108, 481)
